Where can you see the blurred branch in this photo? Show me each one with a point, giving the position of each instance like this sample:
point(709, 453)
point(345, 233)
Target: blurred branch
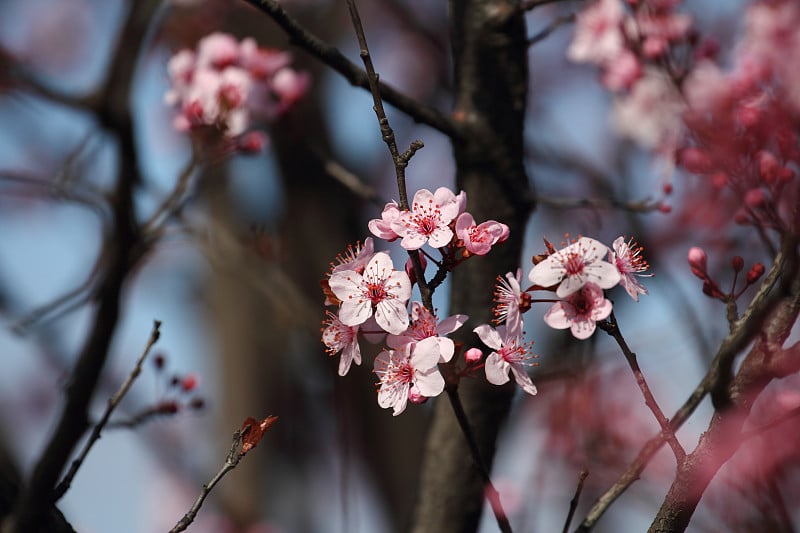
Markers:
point(123, 250)
point(329, 55)
point(66, 482)
point(545, 32)
point(636, 206)
point(573, 503)
point(743, 332)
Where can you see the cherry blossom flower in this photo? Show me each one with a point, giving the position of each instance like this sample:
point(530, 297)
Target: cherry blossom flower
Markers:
point(424, 326)
point(574, 266)
point(380, 288)
point(580, 311)
point(382, 227)
point(598, 33)
point(510, 354)
point(510, 302)
point(355, 257)
point(339, 337)
point(412, 364)
point(479, 239)
point(428, 220)
point(629, 262)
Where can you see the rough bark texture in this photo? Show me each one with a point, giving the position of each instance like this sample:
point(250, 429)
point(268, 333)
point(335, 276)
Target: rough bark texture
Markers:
point(491, 83)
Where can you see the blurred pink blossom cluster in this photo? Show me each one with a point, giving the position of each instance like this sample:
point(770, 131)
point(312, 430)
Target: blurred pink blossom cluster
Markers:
point(742, 125)
point(631, 40)
point(225, 84)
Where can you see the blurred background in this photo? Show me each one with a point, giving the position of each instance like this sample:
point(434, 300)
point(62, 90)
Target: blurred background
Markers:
point(235, 279)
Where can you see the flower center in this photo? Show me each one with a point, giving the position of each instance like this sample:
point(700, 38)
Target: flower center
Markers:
point(573, 264)
point(375, 292)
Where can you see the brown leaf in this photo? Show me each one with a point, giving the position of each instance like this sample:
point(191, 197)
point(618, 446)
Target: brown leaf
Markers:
point(253, 431)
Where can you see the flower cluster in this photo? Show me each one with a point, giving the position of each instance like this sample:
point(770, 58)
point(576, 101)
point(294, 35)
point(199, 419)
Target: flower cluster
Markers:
point(373, 298)
point(578, 274)
point(223, 83)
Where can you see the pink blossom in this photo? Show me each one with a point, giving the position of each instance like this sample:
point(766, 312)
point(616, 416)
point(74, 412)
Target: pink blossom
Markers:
point(510, 354)
point(355, 257)
point(424, 326)
point(262, 63)
point(380, 288)
point(510, 302)
point(627, 256)
point(339, 337)
point(290, 86)
point(621, 72)
point(572, 267)
point(428, 220)
point(479, 239)
point(217, 51)
point(412, 364)
point(382, 227)
point(598, 33)
point(579, 311)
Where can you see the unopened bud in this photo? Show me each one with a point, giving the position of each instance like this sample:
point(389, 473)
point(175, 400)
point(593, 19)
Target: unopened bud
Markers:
point(252, 142)
point(665, 208)
point(694, 160)
point(189, 382)
point(667, 188)
point(768, 166)
point(698, 261)
point(755, 198)
point(755, 272)
point(158, 361)
point(473, 355)
point(741, 217)
point(737, 263)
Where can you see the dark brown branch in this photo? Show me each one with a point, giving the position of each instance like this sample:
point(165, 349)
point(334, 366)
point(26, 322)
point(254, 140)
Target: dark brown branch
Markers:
point(573, 503)
point(545, 32)
point(332, 57)
point(611, 327)
point(113, 402)
point(123, 252)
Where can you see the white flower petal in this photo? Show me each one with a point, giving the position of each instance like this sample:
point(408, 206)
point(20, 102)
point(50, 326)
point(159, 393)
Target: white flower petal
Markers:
point(496, 369)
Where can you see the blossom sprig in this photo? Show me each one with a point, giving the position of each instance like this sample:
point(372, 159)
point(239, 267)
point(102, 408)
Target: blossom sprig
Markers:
point(578, 273)
point(698, 262)
point(219, 88)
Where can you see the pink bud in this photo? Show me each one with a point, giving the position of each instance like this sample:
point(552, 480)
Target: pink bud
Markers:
point(667, 188)
point(252, 142)
point(698, 261)
point(665, 208)
point(473, 355)
point(189, 382)
point(741, 217)
point(786, 174)
point(415, 396)
point(754, 273)
point(410, 267)
point(719, 180)
point(755, 198)
point(737, 263)
point(768, 166)
point(694, 160)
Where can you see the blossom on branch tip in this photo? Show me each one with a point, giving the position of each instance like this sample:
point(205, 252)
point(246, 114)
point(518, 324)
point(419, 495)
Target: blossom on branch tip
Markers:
point(339, 337)
point(411, 365)
point(510, 354)
point(428, 220)
point(380, 288)
point(580, 311)
point(627, 257)
point(572, 267)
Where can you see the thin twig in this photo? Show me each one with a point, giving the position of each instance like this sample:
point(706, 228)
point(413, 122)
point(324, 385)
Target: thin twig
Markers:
point(573, 503)
point(113, 402)
point(244, 440)
point(329, 55)
point(611, 327)
point(550, 28)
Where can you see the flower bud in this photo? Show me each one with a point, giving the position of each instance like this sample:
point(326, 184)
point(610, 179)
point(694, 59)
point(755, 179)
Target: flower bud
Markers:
point(768, 166)
point(189, 382)
point(755, 198)
point(737, 263)
point(694, 160)
point(698, 261)
point(473, 355)
point(755, 272)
